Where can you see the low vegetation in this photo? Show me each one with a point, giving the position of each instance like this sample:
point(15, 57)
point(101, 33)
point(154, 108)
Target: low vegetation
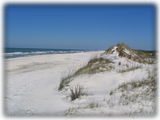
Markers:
point(128, 70)
point(145, 53)
point(96, 65)
point(93, 105)
point(134, 92)
point(64, 82)
point(141, 56)
point(89, 106)
point(76, 92)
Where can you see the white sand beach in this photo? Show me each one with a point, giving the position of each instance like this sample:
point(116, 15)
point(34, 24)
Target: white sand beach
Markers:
point(32, 82)
point(32, 85)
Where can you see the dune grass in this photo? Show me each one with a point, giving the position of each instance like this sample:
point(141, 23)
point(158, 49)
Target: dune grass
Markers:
point(76, 92)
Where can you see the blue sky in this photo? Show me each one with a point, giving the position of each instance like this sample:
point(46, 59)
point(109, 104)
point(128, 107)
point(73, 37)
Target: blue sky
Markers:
point(93, 27)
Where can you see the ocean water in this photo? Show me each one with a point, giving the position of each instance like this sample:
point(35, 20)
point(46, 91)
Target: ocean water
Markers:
point(21, 52)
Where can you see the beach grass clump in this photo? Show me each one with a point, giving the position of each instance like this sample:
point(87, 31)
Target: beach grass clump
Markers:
point(64, 82)
point(93, 105)
point(76, 92)
point(130, 69)
point(95, 66)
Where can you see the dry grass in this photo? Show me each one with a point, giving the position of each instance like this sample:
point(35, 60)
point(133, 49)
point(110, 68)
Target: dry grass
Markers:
point(128, 70)
point(64, 82)
point(94, 66)
point(76, 92)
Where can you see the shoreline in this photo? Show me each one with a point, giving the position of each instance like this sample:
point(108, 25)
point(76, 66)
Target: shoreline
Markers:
point(51, 54)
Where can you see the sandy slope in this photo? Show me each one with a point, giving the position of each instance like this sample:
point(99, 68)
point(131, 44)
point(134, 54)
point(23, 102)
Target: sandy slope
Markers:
point(32, 83)
point(126, 89)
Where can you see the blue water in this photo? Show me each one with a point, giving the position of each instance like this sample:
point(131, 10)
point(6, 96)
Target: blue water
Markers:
point(21, 52)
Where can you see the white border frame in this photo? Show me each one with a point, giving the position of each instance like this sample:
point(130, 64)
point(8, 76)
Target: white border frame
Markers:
point(2, 4)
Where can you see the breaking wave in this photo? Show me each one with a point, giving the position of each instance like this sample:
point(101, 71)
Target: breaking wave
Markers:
point(31, 53)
